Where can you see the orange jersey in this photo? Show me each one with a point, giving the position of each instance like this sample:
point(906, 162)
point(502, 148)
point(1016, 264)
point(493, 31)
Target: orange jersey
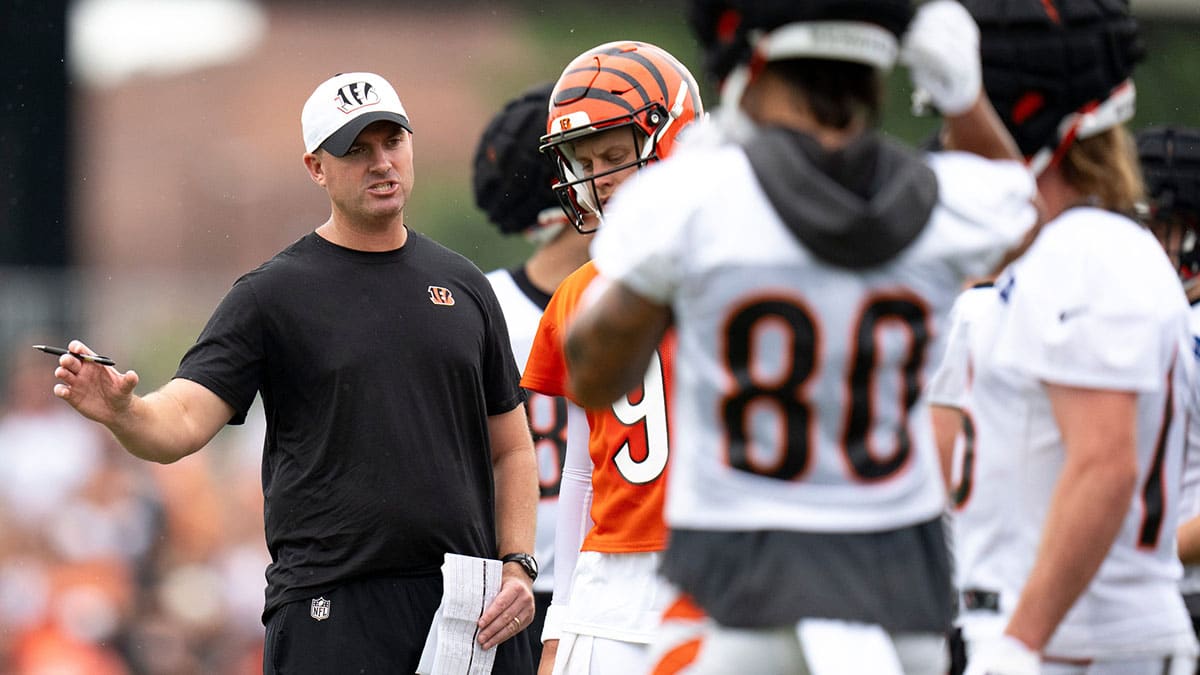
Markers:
point(627, 441)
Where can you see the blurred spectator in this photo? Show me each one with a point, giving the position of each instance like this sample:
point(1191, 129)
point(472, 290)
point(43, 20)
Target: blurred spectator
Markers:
point(46, 451)
point(111, 566)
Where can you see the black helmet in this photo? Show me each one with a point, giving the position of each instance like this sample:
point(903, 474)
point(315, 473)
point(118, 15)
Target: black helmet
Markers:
point(725, 27)
point(512, 180)
point(1170, 158)
point(1046, 59)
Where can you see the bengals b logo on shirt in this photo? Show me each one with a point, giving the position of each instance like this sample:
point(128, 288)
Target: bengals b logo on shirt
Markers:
point(441, 296)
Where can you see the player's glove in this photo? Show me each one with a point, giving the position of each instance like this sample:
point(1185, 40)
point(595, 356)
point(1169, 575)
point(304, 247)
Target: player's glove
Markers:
point(1005, 655)
point(941, 50)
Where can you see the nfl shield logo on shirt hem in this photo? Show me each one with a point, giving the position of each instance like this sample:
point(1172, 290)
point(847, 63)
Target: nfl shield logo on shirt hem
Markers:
point(319, 609)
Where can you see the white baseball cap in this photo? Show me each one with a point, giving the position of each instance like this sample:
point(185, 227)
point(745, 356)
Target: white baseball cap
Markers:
point(343, 106)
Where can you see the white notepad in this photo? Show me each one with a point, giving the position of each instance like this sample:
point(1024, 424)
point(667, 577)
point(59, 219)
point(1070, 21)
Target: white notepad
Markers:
point(469, 585)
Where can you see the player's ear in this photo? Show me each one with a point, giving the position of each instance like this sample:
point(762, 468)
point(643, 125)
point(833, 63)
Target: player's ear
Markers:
point(316, 170)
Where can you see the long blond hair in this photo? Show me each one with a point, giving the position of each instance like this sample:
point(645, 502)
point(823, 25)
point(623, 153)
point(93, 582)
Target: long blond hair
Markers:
point(1105, 169)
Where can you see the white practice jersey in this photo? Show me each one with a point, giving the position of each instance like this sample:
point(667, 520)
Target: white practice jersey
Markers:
point(547, 420)
point(1094, 304)
point(1189, 503)
point(951, 380)
point(982, 533)
point(796, 380)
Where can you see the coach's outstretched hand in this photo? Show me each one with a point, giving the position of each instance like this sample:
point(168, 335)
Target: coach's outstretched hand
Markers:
point(941, 50)
point(100, 393)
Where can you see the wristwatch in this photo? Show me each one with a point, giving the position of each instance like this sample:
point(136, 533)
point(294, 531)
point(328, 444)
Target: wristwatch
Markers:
point(526, 561)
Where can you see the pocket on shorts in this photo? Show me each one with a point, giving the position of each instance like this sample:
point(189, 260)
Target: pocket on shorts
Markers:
point(276, 640)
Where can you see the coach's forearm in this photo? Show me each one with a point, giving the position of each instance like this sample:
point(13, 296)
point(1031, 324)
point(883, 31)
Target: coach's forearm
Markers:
point(514, 467)
point(171, 423)
point(516, 503)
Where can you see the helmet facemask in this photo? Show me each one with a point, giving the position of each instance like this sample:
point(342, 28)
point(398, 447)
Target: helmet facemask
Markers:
point(576, 187)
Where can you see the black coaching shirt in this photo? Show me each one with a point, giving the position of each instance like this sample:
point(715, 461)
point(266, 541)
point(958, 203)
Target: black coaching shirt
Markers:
point(377, 373)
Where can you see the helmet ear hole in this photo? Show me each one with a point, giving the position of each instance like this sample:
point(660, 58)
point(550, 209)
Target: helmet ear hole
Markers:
point(654, 117)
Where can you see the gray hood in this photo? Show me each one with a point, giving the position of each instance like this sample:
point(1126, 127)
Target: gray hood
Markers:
point(857, 207)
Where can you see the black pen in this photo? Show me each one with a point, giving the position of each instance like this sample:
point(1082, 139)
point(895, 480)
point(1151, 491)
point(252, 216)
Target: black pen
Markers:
point(59, 351)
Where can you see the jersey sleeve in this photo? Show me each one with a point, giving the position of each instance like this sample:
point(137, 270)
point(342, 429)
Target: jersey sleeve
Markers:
point(501, 376)
point(1190, 500)
point(641, 243)
point(229, 355)
point(949, 383)
point(546, 369)
point(1190, 490)
point(985, 208)
point(1076, 317)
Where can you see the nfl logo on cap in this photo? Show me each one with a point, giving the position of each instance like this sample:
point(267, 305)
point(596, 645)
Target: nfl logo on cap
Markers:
point(342, 106)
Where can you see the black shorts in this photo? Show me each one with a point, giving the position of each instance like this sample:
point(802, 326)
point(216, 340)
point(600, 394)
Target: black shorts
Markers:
point(370, 626)
point(899, 579)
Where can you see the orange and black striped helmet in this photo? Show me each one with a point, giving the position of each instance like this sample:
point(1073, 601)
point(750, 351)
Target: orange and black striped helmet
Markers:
point(616, 84)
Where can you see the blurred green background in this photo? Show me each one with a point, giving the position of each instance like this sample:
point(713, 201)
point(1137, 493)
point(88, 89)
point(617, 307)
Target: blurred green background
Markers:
point(1168, 84)
point(127, 222)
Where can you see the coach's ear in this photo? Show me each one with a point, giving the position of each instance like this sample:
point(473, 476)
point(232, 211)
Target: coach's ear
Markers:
point(316, 170)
